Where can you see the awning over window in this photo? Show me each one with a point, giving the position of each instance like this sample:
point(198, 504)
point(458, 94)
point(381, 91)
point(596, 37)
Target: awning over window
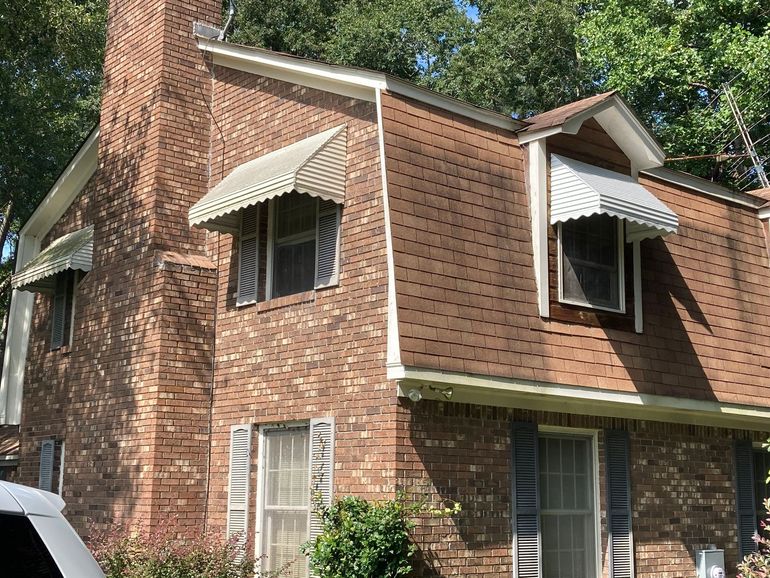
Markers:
point(72, 251)
point(315, 166)
point(580, 190)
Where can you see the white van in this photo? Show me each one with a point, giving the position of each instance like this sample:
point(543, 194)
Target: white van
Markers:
point(35, 539)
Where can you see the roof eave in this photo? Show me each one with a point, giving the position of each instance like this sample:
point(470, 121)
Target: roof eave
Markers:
point(354, 82)
point(69, 184)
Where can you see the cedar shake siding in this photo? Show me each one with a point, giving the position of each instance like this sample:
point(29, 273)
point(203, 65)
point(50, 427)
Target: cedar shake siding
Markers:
point(465, 284)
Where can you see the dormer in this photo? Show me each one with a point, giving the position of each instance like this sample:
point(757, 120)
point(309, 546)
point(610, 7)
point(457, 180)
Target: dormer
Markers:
point(588, 211)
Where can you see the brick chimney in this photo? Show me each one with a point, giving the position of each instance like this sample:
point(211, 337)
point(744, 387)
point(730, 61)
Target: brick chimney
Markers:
point(140, 377)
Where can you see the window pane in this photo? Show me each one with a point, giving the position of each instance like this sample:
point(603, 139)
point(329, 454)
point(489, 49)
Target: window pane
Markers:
point(287, 469)
point(294, 268)
point(294, 244)
point(566, 506)
point(287, 498)
point(295, 214)
point(761, 488)
point(24, 553)
point(286, 532)
point(590, 271)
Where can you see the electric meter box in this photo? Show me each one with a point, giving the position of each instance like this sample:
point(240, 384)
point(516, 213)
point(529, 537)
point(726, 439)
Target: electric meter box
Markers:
point(710, 563)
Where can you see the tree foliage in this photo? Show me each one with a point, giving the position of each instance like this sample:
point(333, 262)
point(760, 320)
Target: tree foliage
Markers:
point(50, 76)
point(669, 58)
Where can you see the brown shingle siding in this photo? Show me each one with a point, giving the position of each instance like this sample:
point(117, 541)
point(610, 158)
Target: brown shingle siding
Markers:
point(706, 307)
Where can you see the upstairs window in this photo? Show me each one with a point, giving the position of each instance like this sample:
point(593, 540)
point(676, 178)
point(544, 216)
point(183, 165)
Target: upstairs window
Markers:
point(288, 245)
point(591, 262)
point(63, 309)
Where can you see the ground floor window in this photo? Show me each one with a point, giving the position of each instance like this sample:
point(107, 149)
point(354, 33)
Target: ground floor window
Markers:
point(286, 500)
point(761, 463)
point(567, 506)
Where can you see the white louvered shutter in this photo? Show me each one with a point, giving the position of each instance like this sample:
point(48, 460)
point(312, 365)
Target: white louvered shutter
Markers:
point(248, 255)
point(526, 501)
point(327, 256)
point(59, 313)
point(238, 490)
point(47, 450)
point(321, 469)
point(619, 504)
point(744, 496)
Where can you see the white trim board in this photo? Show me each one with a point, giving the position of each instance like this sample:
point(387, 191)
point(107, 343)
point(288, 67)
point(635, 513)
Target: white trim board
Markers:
point(347, 81)
point(559, 398)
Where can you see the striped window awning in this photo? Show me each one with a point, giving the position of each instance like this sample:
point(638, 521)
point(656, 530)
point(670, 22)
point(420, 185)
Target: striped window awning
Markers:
point(73, 251)
point(581, 190)
point(315, 166)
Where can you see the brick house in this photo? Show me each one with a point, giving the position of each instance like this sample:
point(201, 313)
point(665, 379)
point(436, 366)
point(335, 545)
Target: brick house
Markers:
point(261, 273)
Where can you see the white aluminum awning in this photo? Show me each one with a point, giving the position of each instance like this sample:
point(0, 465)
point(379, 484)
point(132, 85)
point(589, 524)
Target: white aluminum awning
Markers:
point(72, 251)
point(315, 166)
point(580, 190)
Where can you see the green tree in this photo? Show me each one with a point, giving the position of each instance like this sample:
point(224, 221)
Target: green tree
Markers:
point(670, 58)
point(50, 76)
point(523, 57)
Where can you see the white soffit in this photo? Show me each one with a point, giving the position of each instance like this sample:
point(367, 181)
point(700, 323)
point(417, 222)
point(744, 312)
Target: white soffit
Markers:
point(72, 251)
point(581, 190)
point(315, 166)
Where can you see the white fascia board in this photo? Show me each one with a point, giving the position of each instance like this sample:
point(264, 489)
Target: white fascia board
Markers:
point(64, 190)
point(558, 398)
point(347, 81)
point(393, 353)
point(56, 202)
point(452, 105)
point(327, 77)
point(764, 213)
point(703, 186)
point(621, 125)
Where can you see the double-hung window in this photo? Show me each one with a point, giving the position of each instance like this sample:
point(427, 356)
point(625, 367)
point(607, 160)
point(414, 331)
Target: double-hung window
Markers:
point(591, 262)
point(294, 240)
point(555, 503)
point(567, 506)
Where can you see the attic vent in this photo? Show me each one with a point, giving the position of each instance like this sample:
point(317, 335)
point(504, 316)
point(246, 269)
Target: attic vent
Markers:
point(206, 31)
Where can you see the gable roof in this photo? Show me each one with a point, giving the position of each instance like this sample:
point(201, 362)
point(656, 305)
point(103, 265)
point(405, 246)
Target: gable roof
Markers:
point(614, 115)
point(558, 116)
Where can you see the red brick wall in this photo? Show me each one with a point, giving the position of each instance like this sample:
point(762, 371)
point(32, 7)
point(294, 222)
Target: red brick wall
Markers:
point(683, 497)
point(465, 282)
point(135, 444)
point(319, 353)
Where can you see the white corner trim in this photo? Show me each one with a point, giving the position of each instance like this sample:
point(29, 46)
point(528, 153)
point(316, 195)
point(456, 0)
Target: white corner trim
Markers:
point(764, 213)
point(538, 210)
point(638, 314)
point(703, 186)
point(394, 343)
point(347, 81)
point(56, 202)
point(553, 397)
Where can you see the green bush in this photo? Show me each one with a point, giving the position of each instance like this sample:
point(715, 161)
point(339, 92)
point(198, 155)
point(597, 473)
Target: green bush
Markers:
point(161, 553)
point(757, 564)
point(362, 539)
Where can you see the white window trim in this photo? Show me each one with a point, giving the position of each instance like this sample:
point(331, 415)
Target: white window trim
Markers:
point(621, 273)
point(261, 469)
point(593, 436)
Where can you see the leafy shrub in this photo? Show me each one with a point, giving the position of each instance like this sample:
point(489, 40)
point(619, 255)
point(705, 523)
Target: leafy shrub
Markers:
point(757, 564)
point(362, 539)
point(161, 553)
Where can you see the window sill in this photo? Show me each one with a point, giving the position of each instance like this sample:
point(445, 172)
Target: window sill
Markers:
point(286, 301)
